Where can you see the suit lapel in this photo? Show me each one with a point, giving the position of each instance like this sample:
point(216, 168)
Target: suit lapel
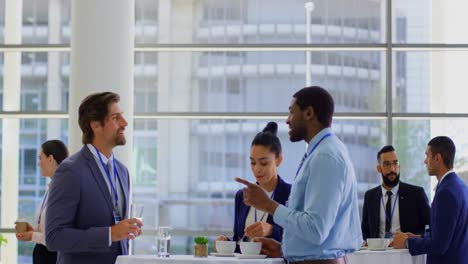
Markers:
point(376, 211)
point(97, 175)
point(243, 216)
point(402, 206)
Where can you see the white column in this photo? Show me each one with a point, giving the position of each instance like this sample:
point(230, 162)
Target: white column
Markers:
point(10, 128)
point(54, 95)
point(102, 43)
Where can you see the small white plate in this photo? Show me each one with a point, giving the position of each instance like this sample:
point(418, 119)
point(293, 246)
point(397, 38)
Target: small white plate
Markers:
point(377, 249)
point(222, 254)
point(244, 256)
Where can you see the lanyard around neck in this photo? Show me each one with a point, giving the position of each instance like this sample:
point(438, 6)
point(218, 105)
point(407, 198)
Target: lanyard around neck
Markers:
point(114, 189)
point(390, 217)
point(312, 150)
point(42, 208)
point(264, 213)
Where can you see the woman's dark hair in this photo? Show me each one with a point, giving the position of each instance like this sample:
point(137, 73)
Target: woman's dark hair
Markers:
point(56, 148)
point(268, 138)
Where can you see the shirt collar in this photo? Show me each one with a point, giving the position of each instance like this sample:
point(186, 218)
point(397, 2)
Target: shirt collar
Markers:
point(317, 137)
point(442, 178)
point(104, 158)
point(394, 190)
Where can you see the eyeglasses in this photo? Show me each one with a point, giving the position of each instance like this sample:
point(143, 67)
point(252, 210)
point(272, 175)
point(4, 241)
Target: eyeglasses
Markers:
point(389, 164)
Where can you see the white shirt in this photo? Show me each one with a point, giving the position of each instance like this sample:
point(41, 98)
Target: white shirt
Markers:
point(261, 216)
point(39, 228)
point(396, 212)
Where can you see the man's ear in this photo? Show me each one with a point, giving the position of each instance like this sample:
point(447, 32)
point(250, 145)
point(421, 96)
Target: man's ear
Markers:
point(95, 125)
point(309, 113)
point(379, 169)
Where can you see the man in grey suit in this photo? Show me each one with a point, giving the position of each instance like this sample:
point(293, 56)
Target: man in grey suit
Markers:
point(86, 217)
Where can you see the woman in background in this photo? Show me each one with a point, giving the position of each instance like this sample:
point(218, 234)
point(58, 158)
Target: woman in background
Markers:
point(52, 153)
point(265, 158)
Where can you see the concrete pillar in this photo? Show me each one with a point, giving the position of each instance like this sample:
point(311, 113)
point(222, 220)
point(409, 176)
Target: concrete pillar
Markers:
point(54, 83)
point(102, 44)
point(10, 127)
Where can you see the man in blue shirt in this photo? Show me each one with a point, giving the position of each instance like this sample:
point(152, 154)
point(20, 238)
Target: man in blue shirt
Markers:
point(321, 223)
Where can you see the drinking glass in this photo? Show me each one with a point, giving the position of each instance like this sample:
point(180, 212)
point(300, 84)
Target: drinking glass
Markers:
point(136, 211)
point(164, 241)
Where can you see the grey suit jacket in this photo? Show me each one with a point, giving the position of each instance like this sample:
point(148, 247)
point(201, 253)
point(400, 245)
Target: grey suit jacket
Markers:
point(80, 211)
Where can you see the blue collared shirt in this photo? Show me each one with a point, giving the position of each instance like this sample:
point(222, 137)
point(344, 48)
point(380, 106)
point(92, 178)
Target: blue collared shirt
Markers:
point(322, 219)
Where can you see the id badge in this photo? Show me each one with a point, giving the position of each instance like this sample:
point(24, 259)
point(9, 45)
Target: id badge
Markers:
point(116, 217)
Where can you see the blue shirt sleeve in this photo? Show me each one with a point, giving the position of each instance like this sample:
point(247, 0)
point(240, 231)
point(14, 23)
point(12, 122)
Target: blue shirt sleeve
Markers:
point(322, 182)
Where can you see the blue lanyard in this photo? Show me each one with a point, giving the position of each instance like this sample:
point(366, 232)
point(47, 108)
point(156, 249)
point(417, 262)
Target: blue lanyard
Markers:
point(264, 213)
point(42, 208)
point(393, 209)
point(114, 190)
point(312, 150)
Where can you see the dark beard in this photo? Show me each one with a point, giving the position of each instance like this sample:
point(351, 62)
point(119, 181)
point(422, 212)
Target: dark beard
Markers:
point(389, 183)
point(297, 134)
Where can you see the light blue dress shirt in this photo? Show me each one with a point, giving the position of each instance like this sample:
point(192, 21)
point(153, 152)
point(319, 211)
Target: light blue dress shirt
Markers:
point(322, 218)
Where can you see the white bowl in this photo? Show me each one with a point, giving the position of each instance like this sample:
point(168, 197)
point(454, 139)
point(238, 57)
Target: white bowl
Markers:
point(250, 248)
point(377, 243)
point(225, 247)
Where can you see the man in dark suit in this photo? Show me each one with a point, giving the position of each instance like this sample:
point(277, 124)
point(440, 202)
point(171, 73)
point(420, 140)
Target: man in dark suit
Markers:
point(447, 241)
point(406, 210)
point(88, 197)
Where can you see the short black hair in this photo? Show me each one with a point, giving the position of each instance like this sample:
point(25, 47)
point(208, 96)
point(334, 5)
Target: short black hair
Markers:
point(320, 100)
point(385, 149)
point(56, 148)
point(268, 138)
point(445, 147)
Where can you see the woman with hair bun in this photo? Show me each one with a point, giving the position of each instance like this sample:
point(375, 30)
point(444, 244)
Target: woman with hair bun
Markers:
point(265, 158)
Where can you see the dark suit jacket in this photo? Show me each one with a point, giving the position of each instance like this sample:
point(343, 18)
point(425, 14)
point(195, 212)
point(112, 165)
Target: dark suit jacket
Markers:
point(281, 195)
point(80, 211)
point(413, 209)
point(448, 240)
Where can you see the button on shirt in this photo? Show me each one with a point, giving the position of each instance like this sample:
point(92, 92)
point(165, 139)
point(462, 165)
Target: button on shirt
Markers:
point(322, 220)
point(396, 212)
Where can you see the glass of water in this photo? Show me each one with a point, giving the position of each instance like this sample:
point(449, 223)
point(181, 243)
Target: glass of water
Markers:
point(164, 241)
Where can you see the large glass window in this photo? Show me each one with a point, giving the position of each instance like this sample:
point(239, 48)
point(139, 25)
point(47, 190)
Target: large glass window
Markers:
point(427, 21)
point(44, 81)
point(255, 81)
point(213, 72)
point(430, 82)
point(46, 21)
point(260, 21)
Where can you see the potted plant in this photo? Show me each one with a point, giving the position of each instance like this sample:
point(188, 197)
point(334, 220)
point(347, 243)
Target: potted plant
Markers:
point(3, 241)
point(201, 247)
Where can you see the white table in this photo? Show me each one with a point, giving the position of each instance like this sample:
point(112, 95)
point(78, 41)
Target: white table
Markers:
point(391, 256)
point(186, 259)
